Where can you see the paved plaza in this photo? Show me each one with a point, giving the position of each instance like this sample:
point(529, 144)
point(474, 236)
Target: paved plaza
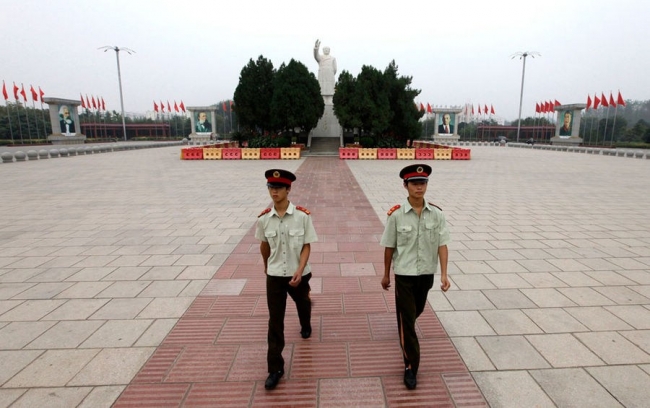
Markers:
point(132, 278)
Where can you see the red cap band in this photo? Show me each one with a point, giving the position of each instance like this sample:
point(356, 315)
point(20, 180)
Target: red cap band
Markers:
point(274, 180)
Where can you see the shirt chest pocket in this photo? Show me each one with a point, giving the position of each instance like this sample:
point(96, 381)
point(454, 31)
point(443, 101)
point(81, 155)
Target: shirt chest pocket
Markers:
point(271, 236)
point(404, 234)
point(297, 238)
point(433, 230)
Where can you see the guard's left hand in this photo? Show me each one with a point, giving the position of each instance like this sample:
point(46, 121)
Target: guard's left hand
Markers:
point(444, 283)
point(295, 279)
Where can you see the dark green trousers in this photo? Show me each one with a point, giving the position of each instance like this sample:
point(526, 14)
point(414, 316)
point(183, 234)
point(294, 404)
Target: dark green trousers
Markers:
point(410, 299)
point(277, 289)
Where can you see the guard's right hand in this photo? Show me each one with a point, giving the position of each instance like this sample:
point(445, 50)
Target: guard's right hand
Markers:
point(385, 282)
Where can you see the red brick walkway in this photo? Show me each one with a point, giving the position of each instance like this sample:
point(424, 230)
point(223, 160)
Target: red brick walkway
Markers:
point(216, 354)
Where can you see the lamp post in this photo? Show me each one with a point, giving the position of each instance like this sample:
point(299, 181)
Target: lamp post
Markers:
point(119, 77)
point(523, 55)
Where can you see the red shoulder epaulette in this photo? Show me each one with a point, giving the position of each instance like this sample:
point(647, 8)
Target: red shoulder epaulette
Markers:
point(303, 209)
point(268, 210)
point(435, 206)
point(392, 210)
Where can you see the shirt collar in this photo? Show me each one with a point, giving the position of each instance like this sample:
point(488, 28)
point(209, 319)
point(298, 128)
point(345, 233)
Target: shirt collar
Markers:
point(289, 211)
point(408, 207)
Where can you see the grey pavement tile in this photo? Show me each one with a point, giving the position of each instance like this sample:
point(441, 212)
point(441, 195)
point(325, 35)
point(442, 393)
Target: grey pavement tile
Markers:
point(83, 290)
point(194, 260)
point(638, 277)
point(622, 295)
point(115, 366)
point(533, 254)
point(44, 290)
point(645, 367)
point(639, 337)
point(583, 391)
point(14, 361)
point(628, 384)
point(197, 272)
point(547, 297)
point(156, 333)
point(31, 310)
point(506, 266)
point(130, 249)
point(563, 254)
point(507, 281)
point(8, 396)
point(472, 267)
point(613, 348)
point(498, 389)
point(468, 300)
point(95, 261)
point(65, 335)
point(585, 296)
point(472, 354)
point(531, 243)
point(505, 322)
point(121, 309)
point(54, 368)
point(76, 309)
point(563, 350)
point(6, 305)
point(123, 289)
point(8, 260)
point(609, 278)
point(128, 260)
point(505, 249)
point(568, 265)
point(464, 323)
point(190, 249)
point(91, 274)
point(52, 397)
point(436, 298)
point(54, 275)
point(162, 308)
point(195, 287)
point(127, 273)
point(102, 397)
point(161, 260)
point(162, 273)
point(508, 299)
point(164, 289)
point(542, 280)
point(553, 320)
point(9, 290)
point(64, 261)
point(116, 333)
point(643, 290)
point(19, 275)
point(511, 353)
point(100, 250)
point(597, 264)
point(574, 279)
point(471, 282)
point(636, 316)
point(537, 265)
point(598, 318)
point(220, 249)
point(29, 262)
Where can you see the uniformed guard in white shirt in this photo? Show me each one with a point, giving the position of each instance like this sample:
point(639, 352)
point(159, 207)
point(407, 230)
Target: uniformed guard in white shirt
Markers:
point(415, 238)
point(286, 232)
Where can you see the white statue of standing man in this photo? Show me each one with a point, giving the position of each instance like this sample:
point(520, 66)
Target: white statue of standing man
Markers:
point(326, 69)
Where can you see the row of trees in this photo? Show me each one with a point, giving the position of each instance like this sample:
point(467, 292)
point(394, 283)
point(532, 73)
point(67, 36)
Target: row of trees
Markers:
point(288, 101)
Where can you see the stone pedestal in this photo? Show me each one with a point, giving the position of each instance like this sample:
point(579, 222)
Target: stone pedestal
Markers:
point(446, 139)
point(328, 125)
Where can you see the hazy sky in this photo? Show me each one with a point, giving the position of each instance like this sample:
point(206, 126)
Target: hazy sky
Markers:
point(457, 53)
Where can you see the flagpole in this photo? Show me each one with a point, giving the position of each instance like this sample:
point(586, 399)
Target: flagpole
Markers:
point(605, 130)
point(614, 123)
point(6, 96)
point(36, 121)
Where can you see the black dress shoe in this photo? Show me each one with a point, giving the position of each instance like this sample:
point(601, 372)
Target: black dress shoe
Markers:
point(273, 379)
point(409, 379)
point(305, 333)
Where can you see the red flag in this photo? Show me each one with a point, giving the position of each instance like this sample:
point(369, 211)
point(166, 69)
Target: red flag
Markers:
point(155, 106)
point(556, 103)
point(169, 108)
point(16, 91)
point(421, 107)
point(611, 100)
point(620, 101)
point(537, 107)
point(603, 100)
point(94, 103)
point(23, 93)
point(429, 108)
point(87, 102)
point(83, 104)
point(485, 110)
point(492, 109)
point(34, 94)
point(550, 106)
point(162, 106)
point(6, 95)
point(175, 106)
point(478, 109)
point(472, 109)
point(41, 93)
point(103, 105)
point(182, 106)
point(596, 101)
point(588, 102)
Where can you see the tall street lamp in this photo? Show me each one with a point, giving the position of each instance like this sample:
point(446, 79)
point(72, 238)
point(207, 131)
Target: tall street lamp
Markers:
point(119, 77)
point(523, 55)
